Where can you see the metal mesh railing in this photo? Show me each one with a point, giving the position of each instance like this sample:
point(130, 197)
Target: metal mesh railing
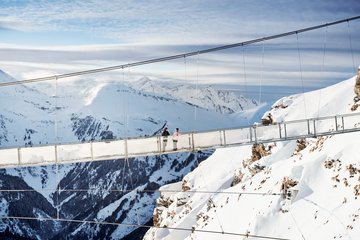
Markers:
point(194, 141)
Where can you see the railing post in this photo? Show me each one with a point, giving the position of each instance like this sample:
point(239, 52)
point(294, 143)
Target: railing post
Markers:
point(158, 141)
point(192, 142)
point(314, 125)
point(343, 123)
point(56, 154)
point(285, 132)
point(308, 126)
point(126, 148)
point(279, 124)
point(250, 129)
point(91, 151)
point(19, 156)
point(221, 138)
point(336, 124)
point(224, 137)
point(255, 140)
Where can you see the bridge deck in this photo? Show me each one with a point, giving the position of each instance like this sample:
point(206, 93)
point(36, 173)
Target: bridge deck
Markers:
point(127, 148)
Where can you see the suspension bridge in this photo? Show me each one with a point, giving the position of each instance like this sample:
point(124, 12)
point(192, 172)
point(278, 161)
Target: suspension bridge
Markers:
point(134, 147)
point(188, 142)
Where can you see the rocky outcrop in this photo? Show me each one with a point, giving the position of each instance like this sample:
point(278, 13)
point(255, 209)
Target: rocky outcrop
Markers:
point(357, 86)
point(288, 183)
point(267, 119)
point(258, 151)
point(89, 128)
point(357, 92)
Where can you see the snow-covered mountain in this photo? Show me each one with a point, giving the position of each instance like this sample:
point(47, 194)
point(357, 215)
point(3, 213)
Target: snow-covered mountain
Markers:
point(300, 189)
point(203, 97)
point(83, 110)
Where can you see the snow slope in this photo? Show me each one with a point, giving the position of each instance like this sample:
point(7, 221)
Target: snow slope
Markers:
point(321, 176)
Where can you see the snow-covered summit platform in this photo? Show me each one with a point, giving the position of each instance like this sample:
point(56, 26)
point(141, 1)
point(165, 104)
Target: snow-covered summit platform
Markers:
point(194, 141)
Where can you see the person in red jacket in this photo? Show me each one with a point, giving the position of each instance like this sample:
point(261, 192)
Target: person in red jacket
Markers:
point(176, 136)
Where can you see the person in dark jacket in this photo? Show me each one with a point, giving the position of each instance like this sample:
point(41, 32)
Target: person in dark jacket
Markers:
point(165, 135)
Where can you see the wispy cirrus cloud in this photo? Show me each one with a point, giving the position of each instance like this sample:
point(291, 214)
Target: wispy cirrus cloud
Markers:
point(173, 22)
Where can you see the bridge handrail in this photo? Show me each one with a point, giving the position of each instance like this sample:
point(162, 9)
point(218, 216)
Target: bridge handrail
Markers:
point(189, 141)
point(189, 132)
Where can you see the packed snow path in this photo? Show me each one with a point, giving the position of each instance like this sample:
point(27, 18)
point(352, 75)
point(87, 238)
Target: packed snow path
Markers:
point(194, 141)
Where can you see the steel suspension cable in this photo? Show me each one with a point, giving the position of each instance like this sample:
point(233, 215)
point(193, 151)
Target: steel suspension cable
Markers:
point(322, 70)
point(168, 58)
point(196, 86)
point(245, 82)
point(351, 48)
point(145, 191)
point(296, 224)
point(56, 141)
point(261, 71)
point(301, 74)
point(142, 226)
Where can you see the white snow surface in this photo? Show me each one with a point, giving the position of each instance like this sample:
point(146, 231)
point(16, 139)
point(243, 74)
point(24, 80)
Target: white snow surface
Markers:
point(326, 171)
point(205, 97)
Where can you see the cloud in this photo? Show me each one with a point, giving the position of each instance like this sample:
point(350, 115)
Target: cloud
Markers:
point(174, 22)
point(142, 30)
point(268, 64)
point(12, 24)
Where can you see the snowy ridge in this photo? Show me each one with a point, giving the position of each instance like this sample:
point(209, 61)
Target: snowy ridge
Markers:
point(4, 77)
point(200, 96)
point(321, 176)
point(32, 115)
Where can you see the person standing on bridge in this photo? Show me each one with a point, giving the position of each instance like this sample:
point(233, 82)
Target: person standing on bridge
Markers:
point(176, 136)
point(165, 135)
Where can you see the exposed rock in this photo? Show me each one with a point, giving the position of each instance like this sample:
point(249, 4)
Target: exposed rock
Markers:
point(357, 190)
point(202, 216)
point(288, 183)
point(357, 87)
point(181, 201)
point(281, 105)
point(329, 164)
point(89, 128)
point(267, 119)
point(300, 144)
point(210, 204)
point(256, 169)
point(357, 92)
point(237, 178)
point(157, 217)
point(258, 151)
point(352, 170)
point(185, 186)
point(164, 202)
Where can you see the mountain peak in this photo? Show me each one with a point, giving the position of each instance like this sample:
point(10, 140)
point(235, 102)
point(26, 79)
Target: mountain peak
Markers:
point(203, 96)
point(4, 77)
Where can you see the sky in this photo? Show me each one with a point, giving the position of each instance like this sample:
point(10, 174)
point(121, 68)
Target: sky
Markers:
point(45, 37)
